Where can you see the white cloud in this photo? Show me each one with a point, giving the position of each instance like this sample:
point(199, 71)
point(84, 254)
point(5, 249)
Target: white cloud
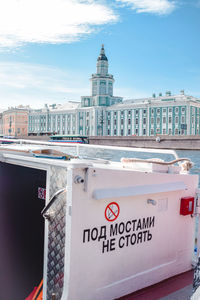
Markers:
point(36, 85)
point(50, 21)
point(160, 7)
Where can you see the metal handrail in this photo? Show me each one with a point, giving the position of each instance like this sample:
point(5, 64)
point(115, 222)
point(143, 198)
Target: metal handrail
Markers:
point(51, 201)
point(78, 146)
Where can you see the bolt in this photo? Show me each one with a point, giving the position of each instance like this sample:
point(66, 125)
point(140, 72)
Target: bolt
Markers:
point(78, 179)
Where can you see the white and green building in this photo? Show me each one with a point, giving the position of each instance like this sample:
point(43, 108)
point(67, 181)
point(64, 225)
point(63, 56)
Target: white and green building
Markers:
point(162, 115)
point(108, 115)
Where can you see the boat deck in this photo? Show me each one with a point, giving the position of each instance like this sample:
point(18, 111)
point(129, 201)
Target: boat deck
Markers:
point(175, 288)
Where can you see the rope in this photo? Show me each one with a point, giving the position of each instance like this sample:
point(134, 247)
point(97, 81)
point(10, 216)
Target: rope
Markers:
point(150, 161)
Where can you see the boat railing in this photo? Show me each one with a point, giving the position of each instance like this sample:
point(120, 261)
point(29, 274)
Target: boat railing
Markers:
point(98, 147)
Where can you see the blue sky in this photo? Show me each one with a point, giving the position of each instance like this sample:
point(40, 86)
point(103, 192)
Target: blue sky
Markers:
point(48, 48)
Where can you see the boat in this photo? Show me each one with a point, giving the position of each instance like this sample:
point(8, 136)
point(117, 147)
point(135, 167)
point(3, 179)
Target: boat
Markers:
point(7, 139)
point(77, 139)
point(91, 228)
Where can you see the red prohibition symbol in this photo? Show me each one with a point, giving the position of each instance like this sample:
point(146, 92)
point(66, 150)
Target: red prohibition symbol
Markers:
point(112, 211)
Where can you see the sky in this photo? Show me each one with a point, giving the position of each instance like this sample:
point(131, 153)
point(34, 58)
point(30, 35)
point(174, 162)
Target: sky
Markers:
point(49, 48)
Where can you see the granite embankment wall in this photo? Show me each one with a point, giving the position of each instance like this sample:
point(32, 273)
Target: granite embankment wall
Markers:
point(166, 142)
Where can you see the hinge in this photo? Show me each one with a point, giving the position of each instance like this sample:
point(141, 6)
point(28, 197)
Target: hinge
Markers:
point(197, 202)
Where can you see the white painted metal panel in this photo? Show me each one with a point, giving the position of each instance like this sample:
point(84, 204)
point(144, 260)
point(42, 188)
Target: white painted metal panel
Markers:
point(99, 268)
point(138, 190)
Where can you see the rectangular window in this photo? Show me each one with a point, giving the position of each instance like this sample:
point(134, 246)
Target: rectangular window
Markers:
point(182, 119)
point(176, 120)
point(122, 121)
point(115, 132)
point(108, 114)
point(115, 113)
point(170, 119)
point(129, 112)
point(152, 120)
point(170, 131)
point(129, 131)
point(115, 122)
point(136, 112)
point(176, 110)
point(144, 131)
point(136, 121)
point(182, 109)
point(164, 110)
point(129, 121)
point(176, 131)
point(158, 120)
point(108, 132)
point(164, 120)
point(144, 111)
point(158, 110)
point(122, 132)
point(152, 132)
point(108, 122)
point(136, 131)
point(170, 110)
point(152, 111)
point(164, 131)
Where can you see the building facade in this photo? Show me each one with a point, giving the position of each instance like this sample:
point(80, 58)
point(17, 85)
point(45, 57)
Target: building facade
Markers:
point(54, 119)
point(85, 118)
point(162, 115)
point(101, 113)
point(15, 122)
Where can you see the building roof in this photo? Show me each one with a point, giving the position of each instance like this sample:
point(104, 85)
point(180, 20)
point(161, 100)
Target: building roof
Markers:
point(70, 105)
point(155, 100)
point(65, 106)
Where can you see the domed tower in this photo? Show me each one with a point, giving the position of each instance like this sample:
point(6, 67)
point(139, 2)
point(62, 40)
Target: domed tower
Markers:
point(102, 63)
point(101, 85)
point(102, 82)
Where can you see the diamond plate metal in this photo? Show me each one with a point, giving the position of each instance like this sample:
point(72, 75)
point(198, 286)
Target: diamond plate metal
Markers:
point(196, 280)
point(56, 237)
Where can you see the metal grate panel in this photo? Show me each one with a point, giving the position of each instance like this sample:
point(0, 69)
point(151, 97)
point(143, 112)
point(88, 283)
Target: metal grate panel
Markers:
point(56, 237)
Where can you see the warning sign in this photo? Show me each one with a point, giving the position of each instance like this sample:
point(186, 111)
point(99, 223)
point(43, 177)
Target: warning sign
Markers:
point(41, 193)
point(112, 211)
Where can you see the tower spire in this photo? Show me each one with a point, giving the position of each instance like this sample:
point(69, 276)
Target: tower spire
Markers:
point(102, 55)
